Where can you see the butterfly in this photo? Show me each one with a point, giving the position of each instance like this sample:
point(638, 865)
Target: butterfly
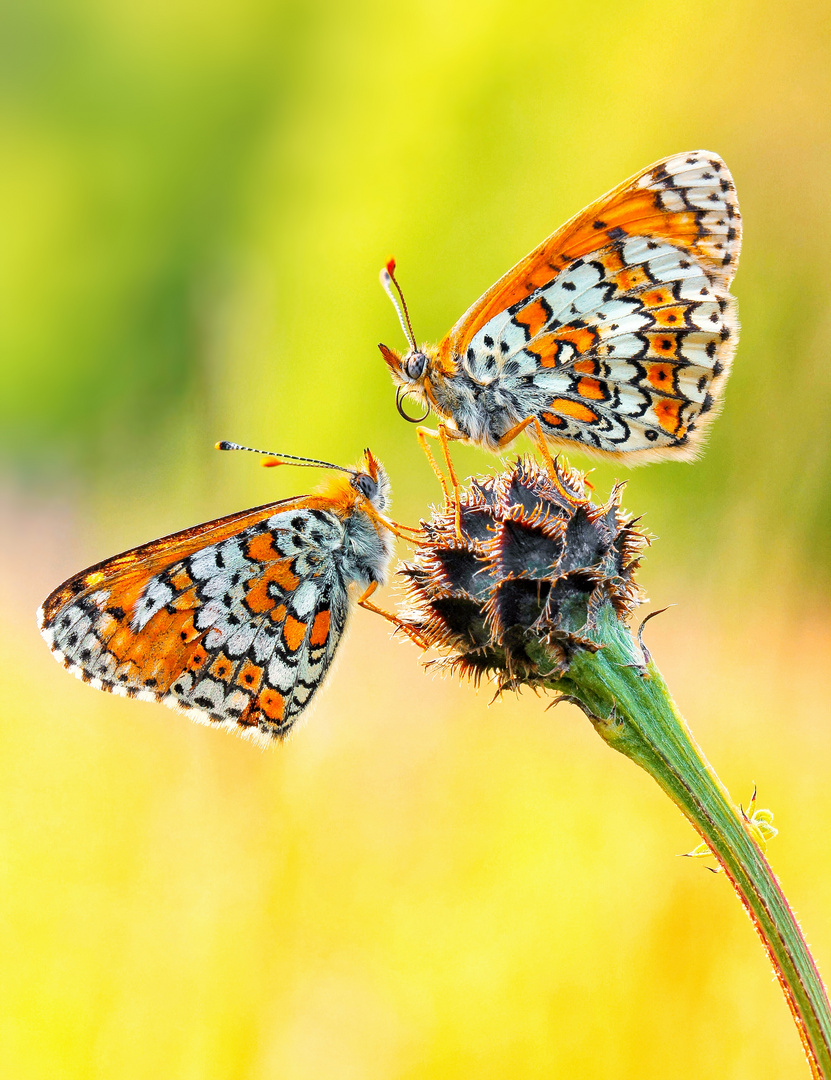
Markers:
point(234, 622)
point(616, 333)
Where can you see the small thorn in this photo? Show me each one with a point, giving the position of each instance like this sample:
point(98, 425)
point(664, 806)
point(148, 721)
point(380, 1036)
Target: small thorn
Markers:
point(640, 668)
point(647, 655)
point(701, 852)
point(574, 701)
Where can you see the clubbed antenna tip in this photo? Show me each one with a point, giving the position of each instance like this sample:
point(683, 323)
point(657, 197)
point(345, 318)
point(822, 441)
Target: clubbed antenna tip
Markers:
point(388, 279)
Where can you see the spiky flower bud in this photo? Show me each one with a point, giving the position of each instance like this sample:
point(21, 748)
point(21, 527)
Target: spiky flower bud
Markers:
point(535, 563)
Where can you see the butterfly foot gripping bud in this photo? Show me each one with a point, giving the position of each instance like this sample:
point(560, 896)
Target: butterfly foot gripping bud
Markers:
point(517, 595)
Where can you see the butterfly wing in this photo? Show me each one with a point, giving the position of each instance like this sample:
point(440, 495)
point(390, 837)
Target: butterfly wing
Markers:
point(235, 622)
point(619, 330)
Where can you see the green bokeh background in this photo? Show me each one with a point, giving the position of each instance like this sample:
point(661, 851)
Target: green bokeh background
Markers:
point(196, 199)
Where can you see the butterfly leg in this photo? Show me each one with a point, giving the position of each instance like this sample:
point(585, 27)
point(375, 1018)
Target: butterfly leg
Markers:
point(404, 532)
point(444, 434)
point(517, 429)
point(546, 453)
point(513, 432)
point(411, 633)
point(422, 434)
point(550, 464)
point(551, 468)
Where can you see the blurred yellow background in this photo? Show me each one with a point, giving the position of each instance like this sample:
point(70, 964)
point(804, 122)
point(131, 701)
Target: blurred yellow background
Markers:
point(196, 201)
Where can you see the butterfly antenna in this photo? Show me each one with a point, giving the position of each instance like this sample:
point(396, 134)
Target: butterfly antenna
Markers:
point(387, 276)
point(288, 459)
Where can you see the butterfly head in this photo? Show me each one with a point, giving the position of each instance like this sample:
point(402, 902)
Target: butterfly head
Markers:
point(407, 370)
point(360, 490)
point(410, 373)
point(370, 480)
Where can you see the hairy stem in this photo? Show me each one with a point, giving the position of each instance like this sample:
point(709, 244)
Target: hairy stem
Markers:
point(633, 711)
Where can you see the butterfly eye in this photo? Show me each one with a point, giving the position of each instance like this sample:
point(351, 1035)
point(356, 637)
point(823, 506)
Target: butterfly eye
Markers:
point(366, 485)
point(414, 365)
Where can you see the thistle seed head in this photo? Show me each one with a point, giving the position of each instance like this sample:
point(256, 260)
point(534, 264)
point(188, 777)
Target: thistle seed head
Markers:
point(535, 563)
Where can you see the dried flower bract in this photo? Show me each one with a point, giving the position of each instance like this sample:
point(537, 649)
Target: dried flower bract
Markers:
point(535, 563)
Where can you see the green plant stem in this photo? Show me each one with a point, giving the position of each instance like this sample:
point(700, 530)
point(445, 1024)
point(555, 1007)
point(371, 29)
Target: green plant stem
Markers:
point(633, 711)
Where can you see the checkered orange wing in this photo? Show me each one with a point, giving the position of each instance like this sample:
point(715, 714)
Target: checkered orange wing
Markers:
point(689, 200)
point(618, 331)
point(234, 622)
